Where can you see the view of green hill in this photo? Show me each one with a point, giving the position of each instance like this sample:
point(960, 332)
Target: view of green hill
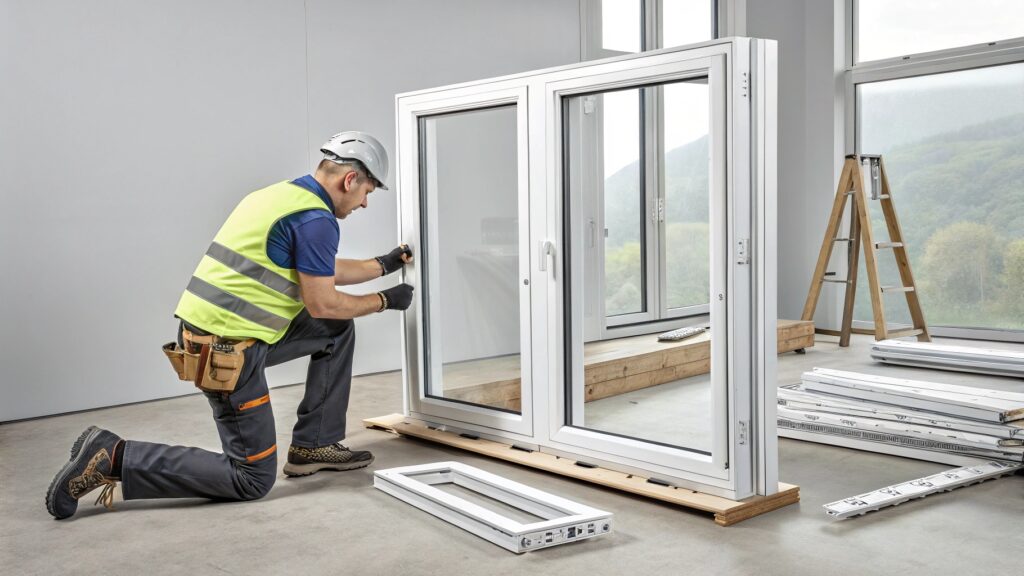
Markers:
point(960, 199)
point(959, 193)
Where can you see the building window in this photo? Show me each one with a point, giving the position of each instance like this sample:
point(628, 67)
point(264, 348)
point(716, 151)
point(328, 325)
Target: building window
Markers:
point(646, 156)
point(950, 126)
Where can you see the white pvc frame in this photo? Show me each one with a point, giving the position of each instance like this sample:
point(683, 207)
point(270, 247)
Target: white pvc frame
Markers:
point(743, 73)
point(564, 521)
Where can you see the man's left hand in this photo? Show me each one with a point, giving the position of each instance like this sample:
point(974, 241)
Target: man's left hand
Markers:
point(395, 259)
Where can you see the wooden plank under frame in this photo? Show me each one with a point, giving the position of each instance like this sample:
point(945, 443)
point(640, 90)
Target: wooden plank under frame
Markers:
point(727, 512)
point(611, 367)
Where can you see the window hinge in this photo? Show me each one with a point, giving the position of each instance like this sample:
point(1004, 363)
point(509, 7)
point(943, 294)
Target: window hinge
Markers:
point(743, 251)
point(589, 103)
point(741, 434)
point(658, 210)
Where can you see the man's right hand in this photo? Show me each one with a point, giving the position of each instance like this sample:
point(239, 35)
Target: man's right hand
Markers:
point(397, 297)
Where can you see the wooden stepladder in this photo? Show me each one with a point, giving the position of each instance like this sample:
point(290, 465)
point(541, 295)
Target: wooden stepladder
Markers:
point(851, 186)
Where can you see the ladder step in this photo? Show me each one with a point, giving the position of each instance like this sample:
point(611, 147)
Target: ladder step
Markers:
point(882, 197)
point(880, 245)
point(905, 333)
point(835, 281)
point(842, 239)
point(897, 288)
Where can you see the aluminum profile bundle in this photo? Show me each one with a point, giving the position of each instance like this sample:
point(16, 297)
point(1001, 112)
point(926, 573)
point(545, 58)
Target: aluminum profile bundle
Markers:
point(945, 357)
point(936, 422)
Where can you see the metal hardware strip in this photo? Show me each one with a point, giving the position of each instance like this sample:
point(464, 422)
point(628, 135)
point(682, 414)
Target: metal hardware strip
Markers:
point(900, 493)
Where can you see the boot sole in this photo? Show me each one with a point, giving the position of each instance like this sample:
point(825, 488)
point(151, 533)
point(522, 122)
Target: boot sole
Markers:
point(294, 470)
point(76, 451)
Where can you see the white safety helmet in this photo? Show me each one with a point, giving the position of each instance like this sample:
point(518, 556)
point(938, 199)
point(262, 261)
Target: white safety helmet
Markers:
point(353, 145)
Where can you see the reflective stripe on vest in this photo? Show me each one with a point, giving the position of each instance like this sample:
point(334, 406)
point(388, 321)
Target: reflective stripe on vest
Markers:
point(257, 272)
point(237, 291)
point(236, 305)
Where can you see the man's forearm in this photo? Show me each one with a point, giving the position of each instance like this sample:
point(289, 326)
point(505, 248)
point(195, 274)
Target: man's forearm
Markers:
point(345, 306)
point(348, 272)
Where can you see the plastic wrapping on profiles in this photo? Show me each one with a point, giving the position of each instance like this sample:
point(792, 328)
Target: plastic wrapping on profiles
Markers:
point(945, 357)
point(899, 493)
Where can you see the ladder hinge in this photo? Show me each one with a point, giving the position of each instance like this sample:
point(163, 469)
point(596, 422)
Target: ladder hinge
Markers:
point(741, 435)
point(743, 251)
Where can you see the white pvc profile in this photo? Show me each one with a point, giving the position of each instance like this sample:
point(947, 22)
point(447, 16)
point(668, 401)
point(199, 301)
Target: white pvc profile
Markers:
point(563, 521)
point(945, 357)
point(899, 493)
point(794, 397)
point(960, 401)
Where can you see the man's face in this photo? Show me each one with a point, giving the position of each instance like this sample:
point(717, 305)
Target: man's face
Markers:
point(354, 195)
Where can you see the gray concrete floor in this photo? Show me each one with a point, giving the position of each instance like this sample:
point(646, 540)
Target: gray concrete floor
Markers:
point(337, 523)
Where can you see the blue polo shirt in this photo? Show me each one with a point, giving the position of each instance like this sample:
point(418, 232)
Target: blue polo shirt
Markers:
point(306, 241)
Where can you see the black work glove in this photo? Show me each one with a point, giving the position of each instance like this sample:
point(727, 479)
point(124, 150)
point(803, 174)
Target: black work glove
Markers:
point(397, 297)
point(395, 259)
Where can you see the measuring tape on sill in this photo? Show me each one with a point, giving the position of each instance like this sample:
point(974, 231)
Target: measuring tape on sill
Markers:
point(900, 493)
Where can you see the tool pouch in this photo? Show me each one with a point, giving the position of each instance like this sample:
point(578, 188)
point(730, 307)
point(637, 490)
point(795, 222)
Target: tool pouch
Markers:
point(223, 366)
point(177, 358)
point(216, 367)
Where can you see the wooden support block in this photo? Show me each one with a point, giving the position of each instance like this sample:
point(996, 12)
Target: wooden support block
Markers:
point(726, 512)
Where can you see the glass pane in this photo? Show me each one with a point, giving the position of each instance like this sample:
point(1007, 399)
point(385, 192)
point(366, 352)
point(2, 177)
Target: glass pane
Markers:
point(621, 22)
point(685, 168)
point(886, 29)
point(953, 147)
point(624, 285)
point(686, 22)
point(637, 386)
point(470, 226)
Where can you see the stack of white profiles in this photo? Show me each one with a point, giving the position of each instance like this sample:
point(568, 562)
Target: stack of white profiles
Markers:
point(943, 423)
point(943, 357)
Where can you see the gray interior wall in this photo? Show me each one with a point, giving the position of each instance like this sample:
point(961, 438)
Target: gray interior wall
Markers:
point(810, 138)
point(129, 130)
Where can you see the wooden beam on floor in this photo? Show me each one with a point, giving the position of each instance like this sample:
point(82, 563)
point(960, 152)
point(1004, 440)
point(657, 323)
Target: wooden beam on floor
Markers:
point(726, 512)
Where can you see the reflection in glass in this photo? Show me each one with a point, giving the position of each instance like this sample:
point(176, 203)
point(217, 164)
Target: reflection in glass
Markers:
point(623, 204)
point(686, 167)
point(636, 386)
point(952, 146)
point(469, 197)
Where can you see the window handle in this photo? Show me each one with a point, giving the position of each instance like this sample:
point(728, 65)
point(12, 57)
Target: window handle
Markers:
point(547, 249)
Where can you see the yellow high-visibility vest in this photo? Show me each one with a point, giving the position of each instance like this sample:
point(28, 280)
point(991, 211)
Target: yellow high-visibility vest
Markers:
point(237, 291)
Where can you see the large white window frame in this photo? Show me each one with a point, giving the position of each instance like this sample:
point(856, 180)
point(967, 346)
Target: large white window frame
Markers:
point(994, 53)
point(744, 460)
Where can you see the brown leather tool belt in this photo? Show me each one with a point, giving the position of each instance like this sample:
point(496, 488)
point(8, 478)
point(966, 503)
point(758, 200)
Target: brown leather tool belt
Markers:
point(212, 363)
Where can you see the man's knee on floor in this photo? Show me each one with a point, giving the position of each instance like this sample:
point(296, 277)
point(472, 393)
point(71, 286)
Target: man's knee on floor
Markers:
point(255, 479)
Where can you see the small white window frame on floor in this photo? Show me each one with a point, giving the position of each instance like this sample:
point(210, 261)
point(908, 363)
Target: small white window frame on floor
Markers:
point(564, 521)
point(744, 456)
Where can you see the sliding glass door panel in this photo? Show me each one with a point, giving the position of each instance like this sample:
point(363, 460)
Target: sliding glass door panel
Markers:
point(468, 219)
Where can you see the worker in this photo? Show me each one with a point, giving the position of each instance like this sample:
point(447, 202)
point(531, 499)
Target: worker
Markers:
point(264, 293)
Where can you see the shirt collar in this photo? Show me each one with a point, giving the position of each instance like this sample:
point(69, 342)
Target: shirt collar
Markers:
point(310, 183)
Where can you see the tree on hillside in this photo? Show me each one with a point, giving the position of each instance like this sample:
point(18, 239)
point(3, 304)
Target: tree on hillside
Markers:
point(960, 273)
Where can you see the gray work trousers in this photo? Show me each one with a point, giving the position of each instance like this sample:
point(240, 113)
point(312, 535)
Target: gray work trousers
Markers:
point(247, 468)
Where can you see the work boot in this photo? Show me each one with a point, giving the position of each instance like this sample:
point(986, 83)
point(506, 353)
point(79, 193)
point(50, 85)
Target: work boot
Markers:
point(89, 468)
point(305, 461)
